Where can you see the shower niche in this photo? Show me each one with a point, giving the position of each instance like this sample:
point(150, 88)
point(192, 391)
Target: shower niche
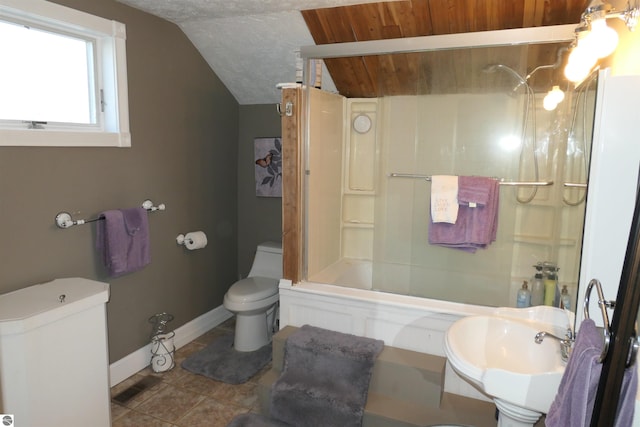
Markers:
point(477, 111)
point(359, 171)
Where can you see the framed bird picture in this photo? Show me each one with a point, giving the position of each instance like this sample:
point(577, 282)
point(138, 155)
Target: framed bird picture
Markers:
point(268, 166)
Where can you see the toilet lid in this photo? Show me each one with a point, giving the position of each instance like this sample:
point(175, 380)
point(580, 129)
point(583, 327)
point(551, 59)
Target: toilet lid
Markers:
point(253, 289)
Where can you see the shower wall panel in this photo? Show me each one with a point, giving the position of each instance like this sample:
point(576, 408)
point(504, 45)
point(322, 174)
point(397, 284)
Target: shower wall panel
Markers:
point(359, 172)
point(362, 217)
point(324, 208)
point(432, 135)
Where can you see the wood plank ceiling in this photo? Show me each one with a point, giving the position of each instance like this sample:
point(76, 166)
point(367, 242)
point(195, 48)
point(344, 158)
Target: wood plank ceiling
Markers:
point(436, 72)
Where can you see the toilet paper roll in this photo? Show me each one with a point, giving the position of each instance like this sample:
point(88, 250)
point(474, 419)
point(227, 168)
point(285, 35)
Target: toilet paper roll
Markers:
point(195, 240)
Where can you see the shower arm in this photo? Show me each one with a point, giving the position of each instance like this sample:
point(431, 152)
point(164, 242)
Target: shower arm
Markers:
point(581, 97)
point(531, 99)
point(556, 64)
point(527, 110)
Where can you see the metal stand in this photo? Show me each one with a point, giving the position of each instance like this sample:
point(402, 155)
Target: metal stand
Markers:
point(162, 346)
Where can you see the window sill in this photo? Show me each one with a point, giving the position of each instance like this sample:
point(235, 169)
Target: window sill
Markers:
point(52, 138)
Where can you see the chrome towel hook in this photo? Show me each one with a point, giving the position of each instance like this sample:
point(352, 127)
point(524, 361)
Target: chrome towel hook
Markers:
point(288, 109)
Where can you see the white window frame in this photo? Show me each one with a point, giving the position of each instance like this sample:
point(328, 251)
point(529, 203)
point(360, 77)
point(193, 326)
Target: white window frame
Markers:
point(112, 129)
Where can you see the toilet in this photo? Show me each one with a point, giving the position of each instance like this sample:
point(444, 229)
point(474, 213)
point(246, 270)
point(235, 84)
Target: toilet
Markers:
point(254, 300)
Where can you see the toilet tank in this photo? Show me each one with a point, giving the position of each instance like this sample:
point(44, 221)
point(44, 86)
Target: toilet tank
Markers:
point(54, 363)
point(267, 261)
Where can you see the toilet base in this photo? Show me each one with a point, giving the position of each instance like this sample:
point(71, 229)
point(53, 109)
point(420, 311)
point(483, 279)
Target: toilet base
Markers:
point(253, 331)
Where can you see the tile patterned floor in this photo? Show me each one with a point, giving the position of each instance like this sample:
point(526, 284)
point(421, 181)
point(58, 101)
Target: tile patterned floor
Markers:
point(183, 399)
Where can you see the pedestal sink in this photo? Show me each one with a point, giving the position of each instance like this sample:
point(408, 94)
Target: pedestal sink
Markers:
point(498, 354)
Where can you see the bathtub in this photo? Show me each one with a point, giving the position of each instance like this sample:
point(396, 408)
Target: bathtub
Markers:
point(352, 273)
point(402, 321)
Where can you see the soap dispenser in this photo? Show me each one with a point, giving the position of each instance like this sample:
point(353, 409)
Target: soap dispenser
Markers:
point(524, 296)
point(537, 287)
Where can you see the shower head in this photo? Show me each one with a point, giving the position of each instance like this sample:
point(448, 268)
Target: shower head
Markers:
point(495, 67)
point(490, 68)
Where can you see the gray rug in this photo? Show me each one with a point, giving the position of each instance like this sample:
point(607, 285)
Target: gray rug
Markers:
point(251, 419)
point(221, 362)
point(325, 380)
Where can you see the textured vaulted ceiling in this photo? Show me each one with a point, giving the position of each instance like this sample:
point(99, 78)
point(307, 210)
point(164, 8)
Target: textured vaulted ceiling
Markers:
point(251, 44)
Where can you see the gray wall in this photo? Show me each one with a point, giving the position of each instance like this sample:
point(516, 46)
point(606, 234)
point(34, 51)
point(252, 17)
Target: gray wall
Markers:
point(184, 126)
point(259, 218)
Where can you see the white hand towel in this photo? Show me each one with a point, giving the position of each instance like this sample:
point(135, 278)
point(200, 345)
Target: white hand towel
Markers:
point(444, 198)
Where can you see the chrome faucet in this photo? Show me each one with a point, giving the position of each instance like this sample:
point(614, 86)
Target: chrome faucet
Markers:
point(565, 343)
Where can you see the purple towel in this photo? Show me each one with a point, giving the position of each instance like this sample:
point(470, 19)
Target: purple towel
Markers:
point(482, 223)
point(573, 404)
point(477, 223)
point(123, 240)
point(627, 403)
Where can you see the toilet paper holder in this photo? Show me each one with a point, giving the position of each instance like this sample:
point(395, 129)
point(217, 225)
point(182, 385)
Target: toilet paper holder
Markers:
point(192, 240)
point(182, 240)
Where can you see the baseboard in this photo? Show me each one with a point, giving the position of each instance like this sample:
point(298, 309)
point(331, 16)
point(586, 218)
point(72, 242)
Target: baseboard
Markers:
point(122, 369)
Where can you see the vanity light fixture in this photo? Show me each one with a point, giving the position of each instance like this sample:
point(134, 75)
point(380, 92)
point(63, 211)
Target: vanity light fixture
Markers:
point(595, 39)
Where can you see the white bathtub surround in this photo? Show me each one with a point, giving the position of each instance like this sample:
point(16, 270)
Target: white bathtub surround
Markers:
point(369, 213)
point(350, 272)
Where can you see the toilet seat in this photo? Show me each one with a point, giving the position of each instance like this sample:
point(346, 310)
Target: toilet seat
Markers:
point(252, 289)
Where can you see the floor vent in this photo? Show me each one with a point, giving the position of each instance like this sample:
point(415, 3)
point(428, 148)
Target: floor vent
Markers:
point(142, 385)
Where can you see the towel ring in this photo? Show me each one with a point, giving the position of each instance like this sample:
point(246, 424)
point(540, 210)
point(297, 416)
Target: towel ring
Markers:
point(633, 350)
point(604, 304)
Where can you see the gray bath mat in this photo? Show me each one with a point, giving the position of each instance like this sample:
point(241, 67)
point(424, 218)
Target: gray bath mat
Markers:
point(221, 362)
point(255, 420)
point(325, 380)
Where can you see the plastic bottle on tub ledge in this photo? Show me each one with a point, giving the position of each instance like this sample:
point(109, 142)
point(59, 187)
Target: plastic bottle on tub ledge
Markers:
point(537, 286)
point(524, 296)
point(551, 291)
point(565, 298)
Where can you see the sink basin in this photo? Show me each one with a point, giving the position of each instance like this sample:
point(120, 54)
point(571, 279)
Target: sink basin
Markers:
point(497, 353)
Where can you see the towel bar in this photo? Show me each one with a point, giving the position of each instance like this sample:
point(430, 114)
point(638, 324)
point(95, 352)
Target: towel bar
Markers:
point(64, 220)
point(575, 185)
point(501, 180)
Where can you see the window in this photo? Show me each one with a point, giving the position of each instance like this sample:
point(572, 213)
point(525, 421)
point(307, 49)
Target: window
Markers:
point(63, 77)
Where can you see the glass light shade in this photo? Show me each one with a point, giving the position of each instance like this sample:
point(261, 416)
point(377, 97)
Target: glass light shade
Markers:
point(575, 73)
point(583, 56)
point(553, 98)
point(556, 94)
point(548, 102)
point(581, 60)
point(602, 40)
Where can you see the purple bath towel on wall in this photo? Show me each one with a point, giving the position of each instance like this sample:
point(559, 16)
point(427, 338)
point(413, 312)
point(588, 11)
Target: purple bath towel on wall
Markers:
point(122, 239)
